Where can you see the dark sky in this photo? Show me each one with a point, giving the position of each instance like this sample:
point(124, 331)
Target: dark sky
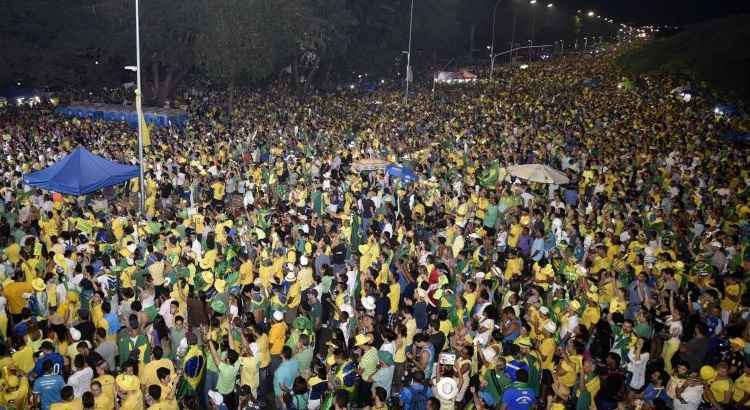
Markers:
point(669, 12)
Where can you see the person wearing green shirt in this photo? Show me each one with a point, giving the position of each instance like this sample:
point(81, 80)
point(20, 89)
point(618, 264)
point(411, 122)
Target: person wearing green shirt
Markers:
point(227, 370)
point(490, 217)
point(304, 354)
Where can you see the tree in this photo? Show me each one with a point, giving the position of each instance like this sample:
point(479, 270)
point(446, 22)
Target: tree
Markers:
point(243, 41)
point(169, 30)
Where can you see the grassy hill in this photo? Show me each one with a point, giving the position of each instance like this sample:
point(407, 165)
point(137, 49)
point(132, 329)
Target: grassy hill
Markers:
point(716, 52)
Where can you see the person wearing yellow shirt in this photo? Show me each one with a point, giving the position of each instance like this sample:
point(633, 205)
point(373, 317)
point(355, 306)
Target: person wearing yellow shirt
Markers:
point(548, 346)
point(543, 273)
point(592, 313)
point(167, 383)
point(246, 272)
point(394, 296)
point(741, 392)
point(149, 373)
point(24, 357)
point(69, 401)
point(129, 390)
point(277, 333)
point(13, 253)
point(14, 294)
point(570, 365)
point(102, 400)
point(218, 192)
point(719, 392)
point(514, 266)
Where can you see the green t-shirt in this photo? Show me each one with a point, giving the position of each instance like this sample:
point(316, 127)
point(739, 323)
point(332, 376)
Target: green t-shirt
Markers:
point(227, 377)
point(369, 363)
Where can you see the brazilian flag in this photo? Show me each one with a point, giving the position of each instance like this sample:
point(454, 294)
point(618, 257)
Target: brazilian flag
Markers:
point(193, 366)
point(489, 178)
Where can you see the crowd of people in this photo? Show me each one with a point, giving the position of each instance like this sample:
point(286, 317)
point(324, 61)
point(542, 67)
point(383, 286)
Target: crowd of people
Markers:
point(267, 272)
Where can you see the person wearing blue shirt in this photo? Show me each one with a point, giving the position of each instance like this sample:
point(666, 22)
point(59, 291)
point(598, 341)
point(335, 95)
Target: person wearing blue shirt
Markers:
point(415, 395)
point(283, 377)
point(113, 322)
point(48, 387)
point(519, 396)
point(48, 355)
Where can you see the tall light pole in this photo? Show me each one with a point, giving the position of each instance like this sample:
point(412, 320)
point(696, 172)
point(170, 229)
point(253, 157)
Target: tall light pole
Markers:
point(533, 23)
point(492, 47)
point(139, 110)
point(408, 54)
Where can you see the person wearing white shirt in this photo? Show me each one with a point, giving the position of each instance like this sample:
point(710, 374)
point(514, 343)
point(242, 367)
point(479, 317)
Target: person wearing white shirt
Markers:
point(80, 381)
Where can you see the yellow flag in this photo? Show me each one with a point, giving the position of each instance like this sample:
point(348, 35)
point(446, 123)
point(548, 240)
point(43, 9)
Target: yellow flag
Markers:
point(141, 120)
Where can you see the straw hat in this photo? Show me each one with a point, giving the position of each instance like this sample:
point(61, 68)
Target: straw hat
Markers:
point(361, 339)
point(38, 285)
point(446, 389)
point(523, 342)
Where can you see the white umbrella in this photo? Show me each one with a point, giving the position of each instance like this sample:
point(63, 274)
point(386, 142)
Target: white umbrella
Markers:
point(538, 173)
point(369, 164)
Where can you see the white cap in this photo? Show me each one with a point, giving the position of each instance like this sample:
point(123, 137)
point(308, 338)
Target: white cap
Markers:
point(216, 397)
point(303, 260)
point(550, 326)
point(277, 315)
point(75, 334)
point(369, 303)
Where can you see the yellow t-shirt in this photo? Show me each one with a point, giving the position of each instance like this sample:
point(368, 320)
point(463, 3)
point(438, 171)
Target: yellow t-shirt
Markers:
point(218, 188)
point(24, 358)
point(571, 366)
point(76, 404)
point(277, 337)
point(742, 388)
point(103, 402)
point(249, 371)
point(106, 400)
point(264, 351)
point(394, 296)
point(13, 253)
point(547, 349)
point(246, 273)
point(720, 388)
point(134, 401)
point(591, 316)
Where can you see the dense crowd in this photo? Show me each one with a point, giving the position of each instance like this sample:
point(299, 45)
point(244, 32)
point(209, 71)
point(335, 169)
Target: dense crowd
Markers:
point(266, 272)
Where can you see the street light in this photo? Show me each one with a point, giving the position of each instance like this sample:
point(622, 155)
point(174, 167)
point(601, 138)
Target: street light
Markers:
point(138, 108)
point(591, 14)
point(550, 5)
point(492, 46)
point(408, 54)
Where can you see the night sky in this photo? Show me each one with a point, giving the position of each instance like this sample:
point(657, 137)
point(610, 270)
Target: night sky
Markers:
point(664, 12)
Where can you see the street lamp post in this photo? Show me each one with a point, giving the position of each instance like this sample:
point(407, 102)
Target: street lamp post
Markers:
point(408, 54)
point(139, 109)
point(492, 46)
point(585, 43)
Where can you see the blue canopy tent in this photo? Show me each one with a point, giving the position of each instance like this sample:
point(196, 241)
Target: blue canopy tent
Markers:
point(80, 173)
point(405, 174)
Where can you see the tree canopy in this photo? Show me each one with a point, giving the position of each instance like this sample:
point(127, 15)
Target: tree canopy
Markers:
point(235, 42)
